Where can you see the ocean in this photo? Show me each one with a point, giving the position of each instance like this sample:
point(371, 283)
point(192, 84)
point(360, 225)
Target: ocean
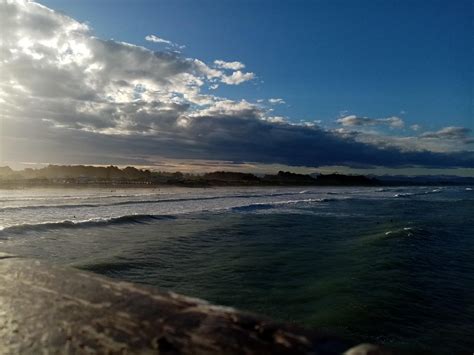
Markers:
point(391, 265)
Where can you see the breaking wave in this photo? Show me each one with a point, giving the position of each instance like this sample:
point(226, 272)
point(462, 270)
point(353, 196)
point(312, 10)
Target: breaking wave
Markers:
point(139, 202)
point(268, 205)
point(408, 232)
point(93, 222)
point(408, 194)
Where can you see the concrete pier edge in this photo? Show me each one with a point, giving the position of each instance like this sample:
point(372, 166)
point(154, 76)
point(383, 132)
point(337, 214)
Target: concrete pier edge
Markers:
point(52, 309)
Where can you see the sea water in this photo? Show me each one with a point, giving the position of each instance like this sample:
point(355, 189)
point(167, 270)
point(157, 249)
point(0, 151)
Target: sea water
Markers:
point(391, 265)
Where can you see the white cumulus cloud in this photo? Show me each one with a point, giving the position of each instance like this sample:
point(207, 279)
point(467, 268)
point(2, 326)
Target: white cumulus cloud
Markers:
point(276, 101)
point(237, 78)
point(229, 65)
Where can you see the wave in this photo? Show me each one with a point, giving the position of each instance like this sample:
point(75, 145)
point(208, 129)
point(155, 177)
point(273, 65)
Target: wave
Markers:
point(38, 207)
point(268, 205)
point(137, 202)
point(405, 194)
point(72, 197)
point(252, 207)
point(120, 203)
point(126, 219)
point(93, 222)
point(99, 197)
point(407, 232)
point(346, 192)
point(408, 194)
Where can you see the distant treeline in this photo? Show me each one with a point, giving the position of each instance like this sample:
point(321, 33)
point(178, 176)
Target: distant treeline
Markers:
point(112, 175)
point(90, 175)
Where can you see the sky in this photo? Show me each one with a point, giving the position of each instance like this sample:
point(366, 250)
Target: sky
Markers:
point(240, 84)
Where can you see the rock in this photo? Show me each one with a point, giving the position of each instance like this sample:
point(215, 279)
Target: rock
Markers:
point(368, 349)
point(58, 310)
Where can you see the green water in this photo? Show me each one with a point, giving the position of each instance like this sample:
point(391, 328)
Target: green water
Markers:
point(392, 271)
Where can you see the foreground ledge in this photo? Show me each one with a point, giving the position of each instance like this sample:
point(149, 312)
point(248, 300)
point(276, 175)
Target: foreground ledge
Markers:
point(58, 310)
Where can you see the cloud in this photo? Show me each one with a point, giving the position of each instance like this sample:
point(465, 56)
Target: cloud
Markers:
point(276, 119)
point(276, 101)
point(237, 78)
point(455, 133)
point(352, 120)
point(229, 65)
point(415, 127)
point(68, 96)
point(156, 39)
point(446, 141)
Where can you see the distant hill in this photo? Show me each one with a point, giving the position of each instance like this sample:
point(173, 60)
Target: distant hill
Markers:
point(288, 178)
point(226, 178)
point(90, 175)
point(112, 175)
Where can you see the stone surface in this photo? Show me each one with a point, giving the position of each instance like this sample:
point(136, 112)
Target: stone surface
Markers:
point(56, 310)
point(367, 349)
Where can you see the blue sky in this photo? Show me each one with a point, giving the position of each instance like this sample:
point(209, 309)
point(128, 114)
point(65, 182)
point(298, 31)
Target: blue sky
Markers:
point(369, 58)
point(249, 85)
